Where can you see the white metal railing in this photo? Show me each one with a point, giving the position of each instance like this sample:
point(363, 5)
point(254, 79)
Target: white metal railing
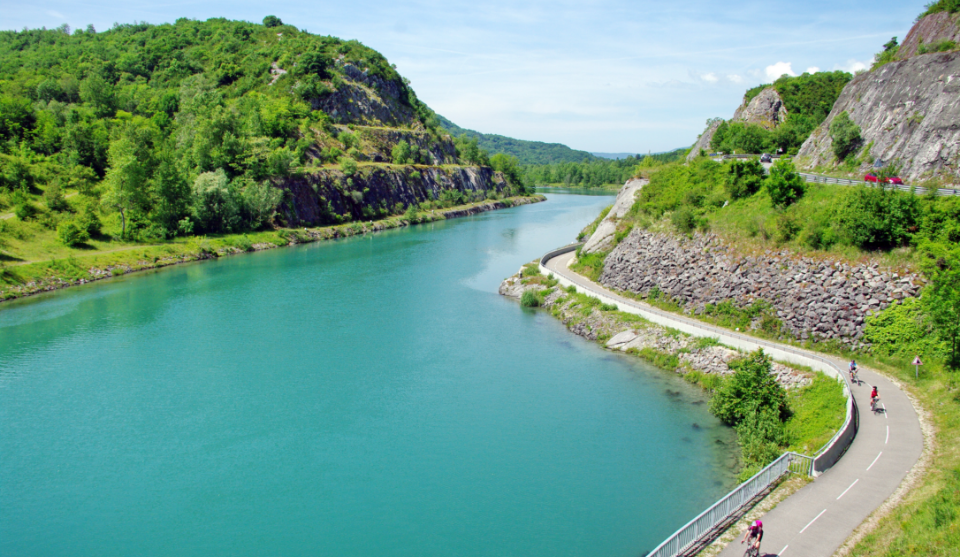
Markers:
point(717, 514)
point(709, 520)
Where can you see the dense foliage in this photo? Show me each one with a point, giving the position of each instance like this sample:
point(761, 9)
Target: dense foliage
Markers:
point(597, 172)
point(845, 135)
point(176, 128)
point(808, 99)
point(526, 152)
point(949, 6)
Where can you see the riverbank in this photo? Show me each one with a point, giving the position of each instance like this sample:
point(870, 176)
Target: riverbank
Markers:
point(817, 404)
point(23, 279)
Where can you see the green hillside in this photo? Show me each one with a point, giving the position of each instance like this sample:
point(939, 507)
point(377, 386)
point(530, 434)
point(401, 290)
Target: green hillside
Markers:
point(527, 152)
point(147, 132)
point(808, 99)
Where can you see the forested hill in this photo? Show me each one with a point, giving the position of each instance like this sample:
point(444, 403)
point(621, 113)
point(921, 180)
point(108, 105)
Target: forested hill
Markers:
point(528, 152)
point(215, 126)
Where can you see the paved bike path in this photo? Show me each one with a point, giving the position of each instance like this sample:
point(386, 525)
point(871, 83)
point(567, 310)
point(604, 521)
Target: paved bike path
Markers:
point(818, 518)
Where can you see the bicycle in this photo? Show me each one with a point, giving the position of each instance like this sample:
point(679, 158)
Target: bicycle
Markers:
point(752, 551)
point(855, 378)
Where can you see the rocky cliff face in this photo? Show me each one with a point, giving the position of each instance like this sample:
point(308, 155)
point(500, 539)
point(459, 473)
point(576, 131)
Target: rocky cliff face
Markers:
point(932, 29)
point(327, 196)
point(908, 113)
point(604, 236)
point(367, 99)
point(766, 109)
point(811, 298)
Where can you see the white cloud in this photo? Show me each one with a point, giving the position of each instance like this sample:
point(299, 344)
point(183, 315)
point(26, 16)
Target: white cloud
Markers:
point(735, 78)
point(710, 77)
point(813, 69)
point(776, 70)
point(852, 66)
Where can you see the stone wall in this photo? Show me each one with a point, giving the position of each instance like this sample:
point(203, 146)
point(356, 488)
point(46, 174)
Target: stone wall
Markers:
point(812, 298)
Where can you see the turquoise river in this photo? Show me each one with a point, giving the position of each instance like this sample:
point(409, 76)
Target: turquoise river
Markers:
point(367, 397)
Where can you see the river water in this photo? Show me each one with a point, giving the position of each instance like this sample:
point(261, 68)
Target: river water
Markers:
point(371, 396)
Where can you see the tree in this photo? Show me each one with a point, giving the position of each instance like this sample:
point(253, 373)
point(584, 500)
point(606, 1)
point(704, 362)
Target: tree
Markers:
point(130, 162)
point(272, 21)
point(784, 184)
point(744, 178)
point(401, 152)
point(70, 234)
point(215, 208)
point(751, 389)
point(941, 296)
point(845, 134)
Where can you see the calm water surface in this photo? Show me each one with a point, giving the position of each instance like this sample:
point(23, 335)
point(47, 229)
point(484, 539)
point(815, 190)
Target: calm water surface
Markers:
point(372, 396)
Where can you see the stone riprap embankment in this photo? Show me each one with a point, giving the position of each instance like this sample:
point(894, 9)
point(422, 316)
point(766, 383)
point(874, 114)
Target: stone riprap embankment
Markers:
point(813, 299)
point(615, 333)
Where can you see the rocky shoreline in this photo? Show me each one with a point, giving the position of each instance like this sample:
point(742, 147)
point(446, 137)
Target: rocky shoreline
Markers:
point(290, 237)
point(588, 318)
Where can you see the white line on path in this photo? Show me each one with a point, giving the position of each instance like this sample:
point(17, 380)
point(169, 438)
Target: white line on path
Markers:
point(888, 436)
point(874, 461)
point(814, 520)
point(782, 550)
point(884, 406)
point(848, 489)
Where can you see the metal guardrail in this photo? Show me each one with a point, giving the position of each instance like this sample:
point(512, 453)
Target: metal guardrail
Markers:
point(734, 501)
point(819, 179)
point(716, 517)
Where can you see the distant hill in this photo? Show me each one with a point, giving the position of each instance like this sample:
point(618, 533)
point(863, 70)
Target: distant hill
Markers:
point(613, 156)
point(529, 152)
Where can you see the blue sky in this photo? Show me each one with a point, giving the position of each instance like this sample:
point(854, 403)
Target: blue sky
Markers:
point(597, 75)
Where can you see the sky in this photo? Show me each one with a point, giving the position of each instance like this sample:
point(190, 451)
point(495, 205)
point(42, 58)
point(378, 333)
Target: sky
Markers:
point(597, 75)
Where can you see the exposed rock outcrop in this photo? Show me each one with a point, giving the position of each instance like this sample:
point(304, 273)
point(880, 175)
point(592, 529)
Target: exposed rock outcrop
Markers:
point(908, 113)
point(932, 29)
point(766, 109)
point(603, 237)
point(364, 98)
point(317, 198)
point(812, 299)
point(703, 142)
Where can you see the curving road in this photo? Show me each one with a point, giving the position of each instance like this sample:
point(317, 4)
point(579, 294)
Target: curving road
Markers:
point(816, 520)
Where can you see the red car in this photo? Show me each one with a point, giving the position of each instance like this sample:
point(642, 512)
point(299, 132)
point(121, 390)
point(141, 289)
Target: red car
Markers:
point(891, 180)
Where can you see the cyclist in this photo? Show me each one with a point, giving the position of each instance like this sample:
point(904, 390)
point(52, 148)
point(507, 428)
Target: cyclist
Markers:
point(874, 398)
point(853, 372)
point(755, 534)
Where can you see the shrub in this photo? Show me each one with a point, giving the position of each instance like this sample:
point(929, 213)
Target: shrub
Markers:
point(875, 218)
point(845, 134)
point(752, 389)
point(401, 152)
point(88, 219)
point(530, 299)
point(348, 166)
point(744, 178)
point(53, 198)
point(784, 184)
point(25, 211)
point(903, 329)
point(71, 234)
point(684, 220)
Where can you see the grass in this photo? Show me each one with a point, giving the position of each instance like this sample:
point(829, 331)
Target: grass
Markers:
point(817, 412)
